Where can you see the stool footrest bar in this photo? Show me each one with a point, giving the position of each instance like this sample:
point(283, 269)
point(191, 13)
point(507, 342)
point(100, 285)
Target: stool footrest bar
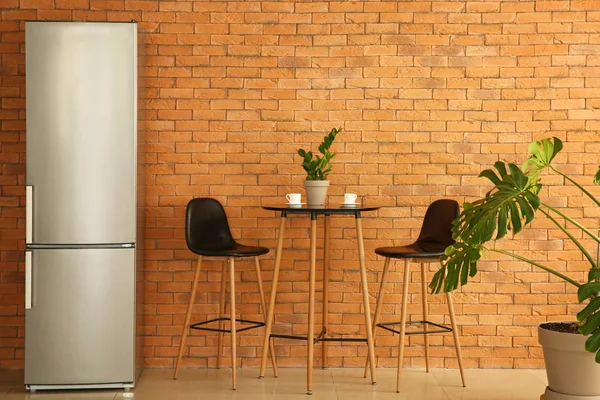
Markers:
point(254, 325)
point(441, 328)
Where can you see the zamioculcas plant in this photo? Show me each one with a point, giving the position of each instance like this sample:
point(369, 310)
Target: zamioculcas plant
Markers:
point(509, 206)
point(318, 167)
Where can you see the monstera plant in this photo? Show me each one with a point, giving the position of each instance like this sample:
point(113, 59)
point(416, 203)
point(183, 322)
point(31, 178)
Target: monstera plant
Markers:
point(509, 207)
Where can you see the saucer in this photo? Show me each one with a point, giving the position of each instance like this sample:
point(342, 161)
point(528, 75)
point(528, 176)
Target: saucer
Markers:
point(350, 204)
point(295, 205)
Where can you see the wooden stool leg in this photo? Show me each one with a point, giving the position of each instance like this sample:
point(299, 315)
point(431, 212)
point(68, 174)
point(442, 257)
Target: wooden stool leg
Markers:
point(271, 311)
point(455, 334)
point(186, 324)
point(378, 307)
point(365, 293)
point(264, 311)
point(403, 322)
point(232, 317)
point(222, 301)
point(311, 305)
point(425, 313)
point(326, 258)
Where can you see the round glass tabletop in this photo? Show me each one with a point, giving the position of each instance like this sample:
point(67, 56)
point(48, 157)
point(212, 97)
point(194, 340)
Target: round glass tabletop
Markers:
point(330, 210)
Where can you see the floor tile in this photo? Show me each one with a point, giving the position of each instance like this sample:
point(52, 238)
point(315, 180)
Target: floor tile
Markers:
point(425, 395)
point(540, 374)
point(330, 384)
point(60, 395)
point(483, 384)
point(415, 384)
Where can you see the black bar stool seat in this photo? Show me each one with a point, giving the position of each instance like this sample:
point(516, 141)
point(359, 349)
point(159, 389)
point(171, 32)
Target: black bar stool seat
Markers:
point(230, 250)
point(410, 251)
point(207, 232)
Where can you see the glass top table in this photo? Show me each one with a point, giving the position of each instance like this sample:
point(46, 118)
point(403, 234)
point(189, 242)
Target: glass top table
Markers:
point(323, 336)
point(322, 210)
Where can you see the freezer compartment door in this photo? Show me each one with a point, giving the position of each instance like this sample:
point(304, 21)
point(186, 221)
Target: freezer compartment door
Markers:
point(80, 328)
point(81, 131)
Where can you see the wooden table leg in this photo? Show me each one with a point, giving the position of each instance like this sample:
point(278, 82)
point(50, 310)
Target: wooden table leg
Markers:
point(311, 303)
point(188, 316)
point(379, 306)
point(365, 291)
point(264, 311)
point(326, 258)
point(269, 321)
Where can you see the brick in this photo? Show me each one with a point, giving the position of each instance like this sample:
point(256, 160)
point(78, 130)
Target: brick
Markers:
point(73, 4)
point(43, 4)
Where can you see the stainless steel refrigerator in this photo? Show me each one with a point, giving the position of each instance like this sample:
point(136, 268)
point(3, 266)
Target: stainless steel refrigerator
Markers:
point(81, 205)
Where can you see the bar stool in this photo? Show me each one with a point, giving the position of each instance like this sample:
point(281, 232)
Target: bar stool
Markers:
point(435, 236)
point(207, 234)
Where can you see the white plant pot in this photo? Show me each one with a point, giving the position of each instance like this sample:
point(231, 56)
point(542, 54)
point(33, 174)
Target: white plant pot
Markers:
point(572, 372)
point(316, 193)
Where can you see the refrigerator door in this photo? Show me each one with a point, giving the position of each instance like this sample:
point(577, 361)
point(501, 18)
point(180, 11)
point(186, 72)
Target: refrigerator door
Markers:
point(80, 327)
point(81, 132)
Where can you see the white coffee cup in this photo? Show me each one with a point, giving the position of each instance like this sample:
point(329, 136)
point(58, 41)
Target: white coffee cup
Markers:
point(294, 198)
point(350, 198)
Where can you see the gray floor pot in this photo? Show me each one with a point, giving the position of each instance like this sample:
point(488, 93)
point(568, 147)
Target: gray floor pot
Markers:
point(316, 192)
point(572, 372)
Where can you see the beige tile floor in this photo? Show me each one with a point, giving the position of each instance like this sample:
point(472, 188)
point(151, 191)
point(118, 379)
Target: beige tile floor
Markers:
point(331, 384)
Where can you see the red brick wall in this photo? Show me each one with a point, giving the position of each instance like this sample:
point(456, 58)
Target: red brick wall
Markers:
point(428, 93)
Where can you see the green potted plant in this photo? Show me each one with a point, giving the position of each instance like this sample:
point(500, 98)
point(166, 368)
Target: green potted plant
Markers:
point(571, 349)
point(317, 169)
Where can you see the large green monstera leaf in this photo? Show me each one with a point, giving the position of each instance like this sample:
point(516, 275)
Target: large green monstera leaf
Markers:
point(509, 206)
point(460, 264)
point(513, 199)
point(542, 152)
point(589, 317)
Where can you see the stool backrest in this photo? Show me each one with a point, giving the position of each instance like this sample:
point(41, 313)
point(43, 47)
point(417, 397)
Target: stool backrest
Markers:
point(436, 232)
point(206, 225)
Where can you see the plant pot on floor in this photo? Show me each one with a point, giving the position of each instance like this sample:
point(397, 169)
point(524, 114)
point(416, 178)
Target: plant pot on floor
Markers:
point(316, 193)
point(572, 372)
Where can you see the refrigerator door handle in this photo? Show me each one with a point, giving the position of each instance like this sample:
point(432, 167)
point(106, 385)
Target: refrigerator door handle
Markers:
point(28, 214)
point(28, 280)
